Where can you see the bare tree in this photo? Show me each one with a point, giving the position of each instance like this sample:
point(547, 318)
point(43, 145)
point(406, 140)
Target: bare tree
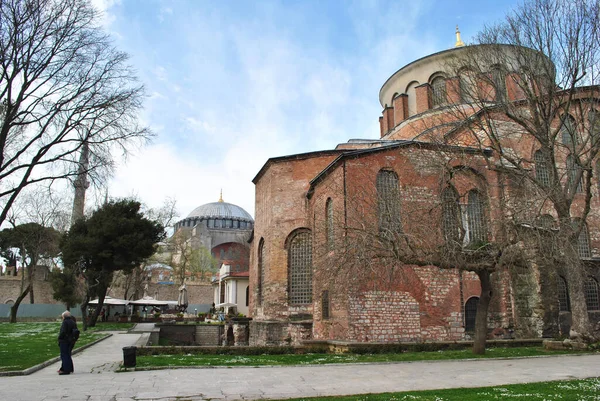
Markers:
point(534, 105)
point(188, 257)
point(63, 88)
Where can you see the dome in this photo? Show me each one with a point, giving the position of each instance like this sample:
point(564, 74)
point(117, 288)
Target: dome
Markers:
point(220, 210)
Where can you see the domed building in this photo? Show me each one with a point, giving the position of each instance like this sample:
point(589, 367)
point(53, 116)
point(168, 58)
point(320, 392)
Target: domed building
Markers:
point(224, 229)
point(405, 237)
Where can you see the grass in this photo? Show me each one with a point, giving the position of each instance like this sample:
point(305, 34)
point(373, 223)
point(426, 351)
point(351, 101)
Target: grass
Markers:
point(321, 359)
point(572, 390)
point(23, 345)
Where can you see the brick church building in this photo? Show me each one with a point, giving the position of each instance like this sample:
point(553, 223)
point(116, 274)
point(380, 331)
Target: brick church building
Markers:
point(360, 243)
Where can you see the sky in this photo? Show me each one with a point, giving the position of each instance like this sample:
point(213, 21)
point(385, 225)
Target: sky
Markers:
point(230, 84)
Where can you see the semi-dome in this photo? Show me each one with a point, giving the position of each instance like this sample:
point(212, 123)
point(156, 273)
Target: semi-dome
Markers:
point(220, 210)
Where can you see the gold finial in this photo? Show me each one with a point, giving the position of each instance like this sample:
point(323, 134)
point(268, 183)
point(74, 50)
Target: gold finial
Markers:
point(221, 196)
point(459, 43)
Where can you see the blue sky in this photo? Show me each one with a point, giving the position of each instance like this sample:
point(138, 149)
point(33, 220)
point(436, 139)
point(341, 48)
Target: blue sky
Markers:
point(232, 83)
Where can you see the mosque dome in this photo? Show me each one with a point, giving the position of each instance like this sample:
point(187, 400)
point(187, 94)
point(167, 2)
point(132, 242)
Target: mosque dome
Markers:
point(220, 210)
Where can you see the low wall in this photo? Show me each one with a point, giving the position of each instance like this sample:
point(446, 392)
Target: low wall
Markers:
point(44, 311)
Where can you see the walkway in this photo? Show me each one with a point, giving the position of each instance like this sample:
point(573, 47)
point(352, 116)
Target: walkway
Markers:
point(95, 380)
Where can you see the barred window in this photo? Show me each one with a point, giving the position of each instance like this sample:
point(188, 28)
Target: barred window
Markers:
point(329, 227)
point(438, 91)
point(499, 81)
point(594, 120)
point(325, 305)
point(573, 170)
point(388, 202)
point(542, 173)
point(300, 268)
point(583, 242)
point(261, 271)
point(564, 304)
point(591, 294)
point(568, 132)
point(475, 218)
point(451, 219)
point(545, 221)
point(471, 313)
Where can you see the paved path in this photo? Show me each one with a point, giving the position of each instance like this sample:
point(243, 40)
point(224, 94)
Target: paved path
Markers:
point(95, 380)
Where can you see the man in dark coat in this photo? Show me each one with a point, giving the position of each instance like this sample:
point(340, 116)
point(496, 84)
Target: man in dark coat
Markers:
point(65, 341)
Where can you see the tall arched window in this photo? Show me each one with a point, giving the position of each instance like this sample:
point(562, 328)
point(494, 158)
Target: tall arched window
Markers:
point(438, 91)
point(451, 219)
point(411, 92)
point(467, 86)
point(573, 171)
point(591, 294)
point(329, 223)
point(583, 242)
point(471, 313)
point(568, 131)
point(542, 173)
point(325, 305)
point(300, 268)
point(261, 271)
point(476, 230)
point(564, 305)
point(388, 203)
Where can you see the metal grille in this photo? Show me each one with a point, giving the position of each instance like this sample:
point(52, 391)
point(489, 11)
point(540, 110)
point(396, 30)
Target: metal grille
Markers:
point(261, 270)
point(329, 213)
point(451, 220)
point(545, 221)
point(591, 294)
point(563, 295)
point(438, 91)
point(475, 218)
point(568, 132)
point(325, 305)
point(541, 169)
point(471, 313)
point(300, 269)
point(573, 171)
point(388, 202)
point(583, 243)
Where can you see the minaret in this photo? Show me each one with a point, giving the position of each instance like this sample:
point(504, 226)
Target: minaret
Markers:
point(80, 184)
point(459, 43)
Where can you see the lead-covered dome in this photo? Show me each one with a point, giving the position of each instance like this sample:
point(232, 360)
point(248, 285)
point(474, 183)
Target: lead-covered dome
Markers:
point(215, 210)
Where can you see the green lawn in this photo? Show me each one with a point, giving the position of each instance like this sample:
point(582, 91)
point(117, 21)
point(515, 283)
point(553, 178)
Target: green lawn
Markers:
point(572, 390)
point(320, 359)
point(23, 345)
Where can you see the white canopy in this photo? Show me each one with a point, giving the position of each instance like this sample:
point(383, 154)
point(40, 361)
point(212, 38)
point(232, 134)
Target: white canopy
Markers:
point(147, 300)
point(110, 301)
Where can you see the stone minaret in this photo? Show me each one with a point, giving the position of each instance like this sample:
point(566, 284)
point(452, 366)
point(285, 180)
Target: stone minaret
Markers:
point(80, 184)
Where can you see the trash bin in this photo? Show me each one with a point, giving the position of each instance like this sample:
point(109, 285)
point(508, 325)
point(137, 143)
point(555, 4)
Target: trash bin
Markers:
point(129, 360)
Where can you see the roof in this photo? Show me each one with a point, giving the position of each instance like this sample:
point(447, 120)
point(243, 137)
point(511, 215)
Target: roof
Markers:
point(221, 210)
point(298, 156)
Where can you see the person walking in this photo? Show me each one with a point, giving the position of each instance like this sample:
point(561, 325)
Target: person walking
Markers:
point(65, 342)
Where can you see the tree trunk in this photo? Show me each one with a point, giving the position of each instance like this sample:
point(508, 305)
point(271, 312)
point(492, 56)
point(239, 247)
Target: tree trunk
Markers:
point(580, 326)
point(15, 307)
point(96, 313)
point(31, 274)
point(481, 317)
point(84, 315)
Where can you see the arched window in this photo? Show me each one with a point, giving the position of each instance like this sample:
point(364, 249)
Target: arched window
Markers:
point(574, 171)
point(476, 230)
point(411, 92)
point(438, 91)
point(564, 304)
point(329, 223)
point(568, 131)
point(591, 294)
point(300, 268)
point(388, 203)
point(471, 313)
point(451, 219)
point(325, 305)
point(499, 81)
point(222, 254)
point(594, 120)
point(545, 221)
point(466, 81)
point(261, 271)
point(583, 242)
point(542, 173)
